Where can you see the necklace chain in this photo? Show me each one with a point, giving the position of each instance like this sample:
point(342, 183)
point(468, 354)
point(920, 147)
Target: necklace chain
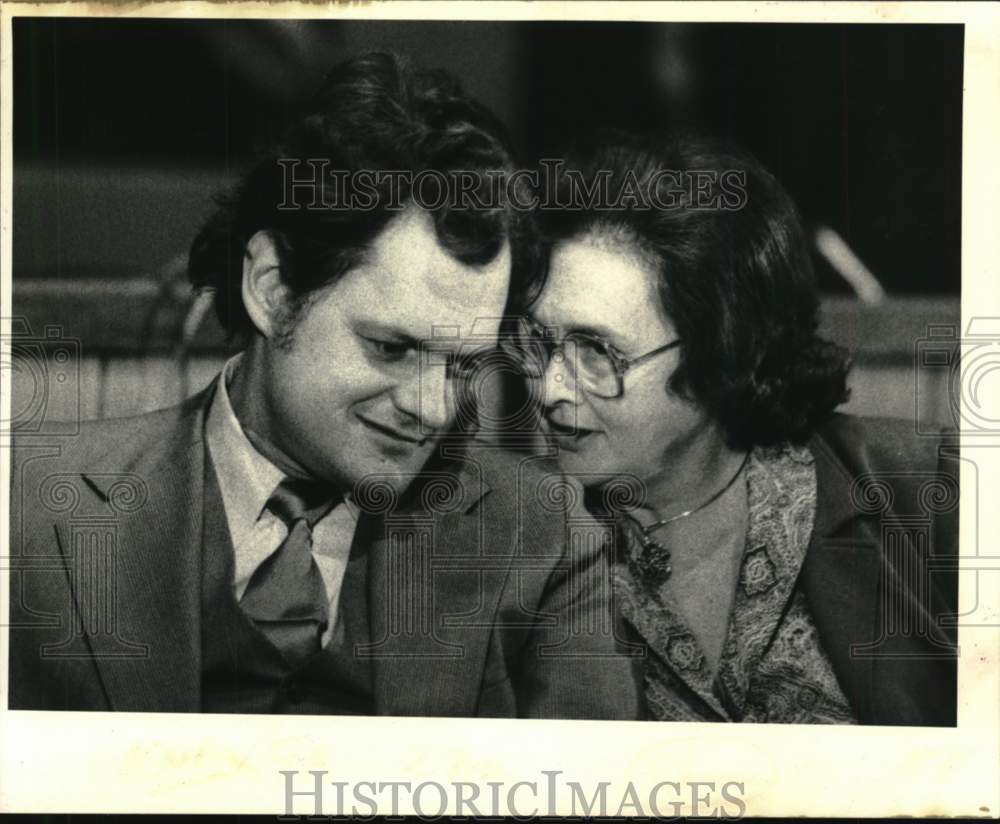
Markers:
point(654, 562)
point(648, 530)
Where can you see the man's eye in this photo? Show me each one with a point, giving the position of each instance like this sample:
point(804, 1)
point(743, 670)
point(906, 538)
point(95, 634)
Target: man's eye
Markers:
point(389, 350)
point(462, 367)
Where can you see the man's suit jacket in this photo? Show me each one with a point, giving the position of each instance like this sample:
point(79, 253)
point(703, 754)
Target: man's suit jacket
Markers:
point(880, 574)
point(476, 604)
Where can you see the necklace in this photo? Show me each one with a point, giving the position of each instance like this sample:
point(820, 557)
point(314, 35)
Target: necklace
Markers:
point(653, 562)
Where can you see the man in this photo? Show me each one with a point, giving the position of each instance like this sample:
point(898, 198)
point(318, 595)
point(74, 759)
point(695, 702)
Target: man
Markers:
point(311, 534)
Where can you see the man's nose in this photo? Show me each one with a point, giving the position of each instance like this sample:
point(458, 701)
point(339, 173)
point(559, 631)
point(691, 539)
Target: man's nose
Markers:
point(428, 398)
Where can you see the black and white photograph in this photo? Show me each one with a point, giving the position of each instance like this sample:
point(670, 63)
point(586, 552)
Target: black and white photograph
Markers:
point(498, 385)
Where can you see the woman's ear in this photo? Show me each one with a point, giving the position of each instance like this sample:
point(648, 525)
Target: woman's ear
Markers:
point(265, 294)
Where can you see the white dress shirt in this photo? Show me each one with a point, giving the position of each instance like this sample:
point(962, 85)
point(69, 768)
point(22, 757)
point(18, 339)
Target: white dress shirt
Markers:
point(247, 479)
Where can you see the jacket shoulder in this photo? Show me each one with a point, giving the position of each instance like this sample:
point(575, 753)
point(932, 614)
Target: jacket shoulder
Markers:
point(534, 483)
point(117, 442)
point(870, 444)
point(59, 463)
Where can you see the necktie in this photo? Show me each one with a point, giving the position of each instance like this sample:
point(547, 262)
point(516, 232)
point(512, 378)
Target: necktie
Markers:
point(285, 596)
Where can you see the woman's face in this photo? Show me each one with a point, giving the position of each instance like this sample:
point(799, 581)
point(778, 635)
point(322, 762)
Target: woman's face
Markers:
point(606, 287)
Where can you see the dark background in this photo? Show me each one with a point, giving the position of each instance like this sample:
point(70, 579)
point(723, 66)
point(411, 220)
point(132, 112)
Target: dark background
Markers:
point(123, 128)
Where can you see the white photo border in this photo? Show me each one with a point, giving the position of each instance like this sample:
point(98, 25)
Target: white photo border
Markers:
point(118, 762)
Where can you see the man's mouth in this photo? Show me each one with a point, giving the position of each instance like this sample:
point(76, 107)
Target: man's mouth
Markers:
point(389, 432)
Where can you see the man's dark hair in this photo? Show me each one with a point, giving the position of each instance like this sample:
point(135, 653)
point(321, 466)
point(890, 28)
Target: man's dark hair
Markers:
point(735, 278)
point(373, 114)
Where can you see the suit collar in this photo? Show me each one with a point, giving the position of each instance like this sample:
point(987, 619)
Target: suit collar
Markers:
point(833, 488)
point(246, 478)
point(170, 435)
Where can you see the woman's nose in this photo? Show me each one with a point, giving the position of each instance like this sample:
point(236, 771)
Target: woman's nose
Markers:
point(558, 379)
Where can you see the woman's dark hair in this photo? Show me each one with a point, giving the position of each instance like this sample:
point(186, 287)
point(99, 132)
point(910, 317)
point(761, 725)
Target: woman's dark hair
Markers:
point(373, 116)
point(735, 275)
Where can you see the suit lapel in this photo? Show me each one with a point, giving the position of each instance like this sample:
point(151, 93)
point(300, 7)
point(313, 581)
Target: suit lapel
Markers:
point(840, 578)
point(429, 610)
point(148, 652)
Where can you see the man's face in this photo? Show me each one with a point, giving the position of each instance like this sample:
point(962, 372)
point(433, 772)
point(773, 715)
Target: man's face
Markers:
point(352, 394)
point(607, 288)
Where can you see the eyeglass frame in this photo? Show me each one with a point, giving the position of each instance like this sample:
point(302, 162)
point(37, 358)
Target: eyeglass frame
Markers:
point(618, 359)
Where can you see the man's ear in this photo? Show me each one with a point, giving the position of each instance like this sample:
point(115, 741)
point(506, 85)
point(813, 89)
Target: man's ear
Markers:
point(265, 294)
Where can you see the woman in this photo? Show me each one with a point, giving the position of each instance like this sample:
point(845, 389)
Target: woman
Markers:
point(674, 342)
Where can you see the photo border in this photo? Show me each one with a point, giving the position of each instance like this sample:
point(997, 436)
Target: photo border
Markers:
point(117, 762)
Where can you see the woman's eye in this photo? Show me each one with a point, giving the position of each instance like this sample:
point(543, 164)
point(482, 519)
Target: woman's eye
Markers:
point(587, 347)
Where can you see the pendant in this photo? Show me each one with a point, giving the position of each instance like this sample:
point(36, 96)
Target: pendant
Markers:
point(653, 561)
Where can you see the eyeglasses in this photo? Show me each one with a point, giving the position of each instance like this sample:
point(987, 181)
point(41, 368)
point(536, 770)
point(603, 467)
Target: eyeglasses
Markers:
point(598, 366)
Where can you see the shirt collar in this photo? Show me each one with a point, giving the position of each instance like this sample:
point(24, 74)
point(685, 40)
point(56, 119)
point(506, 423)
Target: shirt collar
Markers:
point(246, 478)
